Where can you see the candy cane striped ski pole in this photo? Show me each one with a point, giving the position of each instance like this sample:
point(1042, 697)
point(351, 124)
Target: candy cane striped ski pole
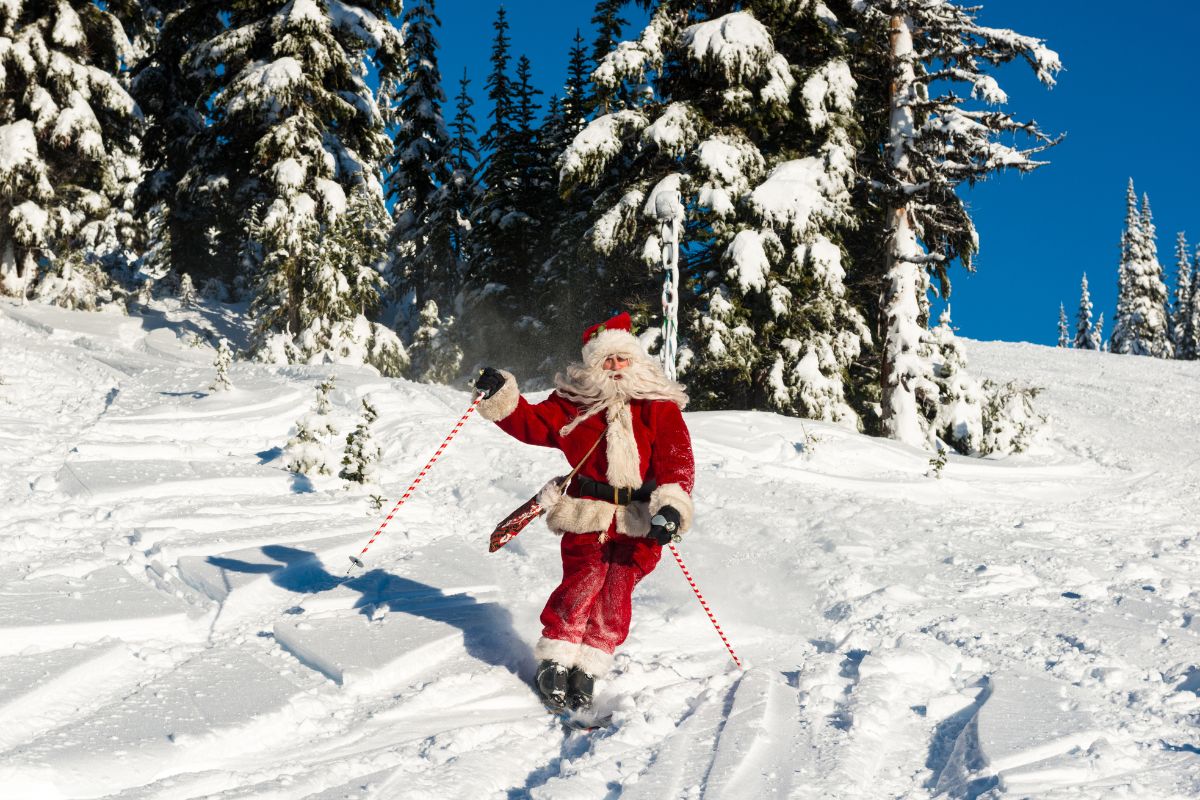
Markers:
point(707, 610)
point(357, 561)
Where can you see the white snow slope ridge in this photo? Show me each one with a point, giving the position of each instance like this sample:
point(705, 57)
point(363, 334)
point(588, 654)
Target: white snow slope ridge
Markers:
point(1016, 628)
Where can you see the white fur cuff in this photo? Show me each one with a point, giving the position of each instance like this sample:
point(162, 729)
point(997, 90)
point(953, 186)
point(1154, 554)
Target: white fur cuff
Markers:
point(503, 402)
point(593, 661)
point(673, 495)
point(565, 653)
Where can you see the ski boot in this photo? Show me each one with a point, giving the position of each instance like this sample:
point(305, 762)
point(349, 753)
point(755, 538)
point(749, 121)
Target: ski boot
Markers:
point(551, 681)
point(580, 688)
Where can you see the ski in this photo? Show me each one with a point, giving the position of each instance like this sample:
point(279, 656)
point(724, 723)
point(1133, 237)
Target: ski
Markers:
point(585, 721)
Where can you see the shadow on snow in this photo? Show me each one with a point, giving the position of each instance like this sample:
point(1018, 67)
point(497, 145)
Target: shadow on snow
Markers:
point(488, 632)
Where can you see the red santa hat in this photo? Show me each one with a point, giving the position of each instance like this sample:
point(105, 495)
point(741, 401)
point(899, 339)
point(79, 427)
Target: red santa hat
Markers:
point(611, 337)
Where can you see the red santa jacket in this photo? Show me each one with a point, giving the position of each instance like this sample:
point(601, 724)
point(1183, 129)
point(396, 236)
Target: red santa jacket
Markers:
point(645, 440)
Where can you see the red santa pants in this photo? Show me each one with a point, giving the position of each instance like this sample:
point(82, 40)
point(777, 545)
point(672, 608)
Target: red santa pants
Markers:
point(593, 603)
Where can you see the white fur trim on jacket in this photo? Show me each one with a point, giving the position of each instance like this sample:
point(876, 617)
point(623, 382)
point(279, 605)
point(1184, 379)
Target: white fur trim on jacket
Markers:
point(565, 653)
point(586, 515)
point(593, 661)
point(624, 464)
point(611, 342)
point(503, 402)
point(673, 495)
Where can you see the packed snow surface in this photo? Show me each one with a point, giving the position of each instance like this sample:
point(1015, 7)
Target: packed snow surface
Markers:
point(1015, 628)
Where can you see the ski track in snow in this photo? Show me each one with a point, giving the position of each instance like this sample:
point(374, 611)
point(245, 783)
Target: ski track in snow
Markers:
point(1017, 628)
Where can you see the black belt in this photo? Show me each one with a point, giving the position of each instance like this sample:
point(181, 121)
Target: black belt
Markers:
point(621, 495)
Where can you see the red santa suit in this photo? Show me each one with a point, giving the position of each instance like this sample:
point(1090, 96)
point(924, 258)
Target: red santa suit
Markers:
point(643, 443)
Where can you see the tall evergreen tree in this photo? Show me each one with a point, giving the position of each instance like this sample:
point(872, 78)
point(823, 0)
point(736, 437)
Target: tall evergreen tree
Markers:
point(424, 265)
point(463, 190)
point(69, 144)
point(1141, 326)
point(931, 145)
point(565, 273)
point(172, 96)
point(428, 184)
point(762, 167)
point(294, 128)
point(609, 24)
point(1191, 349)
point(1064, 333)
point(1183, 335)
point(1098, 333)
point(498, 296)
point(1085, 333)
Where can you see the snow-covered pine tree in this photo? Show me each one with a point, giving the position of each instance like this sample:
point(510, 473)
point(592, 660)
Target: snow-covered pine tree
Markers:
point(960, 413)
point(360, 461)
point(221, 382)
point(309, 450)
point(1085, 334)
point(1183, 335)
point(293, 129)
point(566, 273)
point(763, 164)
point(1142, 325)
point(1192, 342)
point(1128, 252)
point(1098, 334)
point(424, 262)
point(1064, 333)
point(173, 96)
point(74, 280)
point(337, 277)
point(68, 145)
point(187, 291)
point(435, 352)
point(931, 144)
point(463, 190)
point(609, 24)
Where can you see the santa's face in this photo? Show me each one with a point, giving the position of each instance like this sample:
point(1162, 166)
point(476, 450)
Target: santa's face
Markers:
point(614, 364)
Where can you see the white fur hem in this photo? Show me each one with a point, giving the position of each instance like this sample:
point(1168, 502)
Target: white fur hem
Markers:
point(586, 515)
point(565, 653)
point(673, 495)
point(503, 402)
point(593, 661)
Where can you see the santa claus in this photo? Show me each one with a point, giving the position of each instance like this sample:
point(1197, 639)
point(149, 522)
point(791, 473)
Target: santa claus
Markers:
point(616, 417)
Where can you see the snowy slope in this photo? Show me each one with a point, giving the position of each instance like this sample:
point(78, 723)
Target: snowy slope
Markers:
point(1016, 628)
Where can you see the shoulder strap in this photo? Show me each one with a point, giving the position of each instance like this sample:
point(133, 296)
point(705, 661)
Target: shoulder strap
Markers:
point(562, 487)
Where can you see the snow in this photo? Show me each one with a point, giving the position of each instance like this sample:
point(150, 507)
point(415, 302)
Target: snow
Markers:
point(68, 29)
point(29, 222)
point(730, 164)
point(830, 89)
point(259, 80)
point(1019, 627)
point(593, 147)
point(750, 262)
point(739, 47)
point(18, 148)
point(794, 193)
point(674, 132)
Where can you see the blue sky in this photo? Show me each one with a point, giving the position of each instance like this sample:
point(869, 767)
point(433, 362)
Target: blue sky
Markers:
point(1127, 99)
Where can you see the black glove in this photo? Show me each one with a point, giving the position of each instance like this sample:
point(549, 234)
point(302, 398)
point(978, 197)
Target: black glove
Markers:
point(664, 527)
point(489, 381)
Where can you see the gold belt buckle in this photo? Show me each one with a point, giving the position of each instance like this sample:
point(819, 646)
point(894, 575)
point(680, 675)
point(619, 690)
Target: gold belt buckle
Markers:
point(616, 496)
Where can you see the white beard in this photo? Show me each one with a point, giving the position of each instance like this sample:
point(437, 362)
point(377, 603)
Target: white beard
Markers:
point(597, 389)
